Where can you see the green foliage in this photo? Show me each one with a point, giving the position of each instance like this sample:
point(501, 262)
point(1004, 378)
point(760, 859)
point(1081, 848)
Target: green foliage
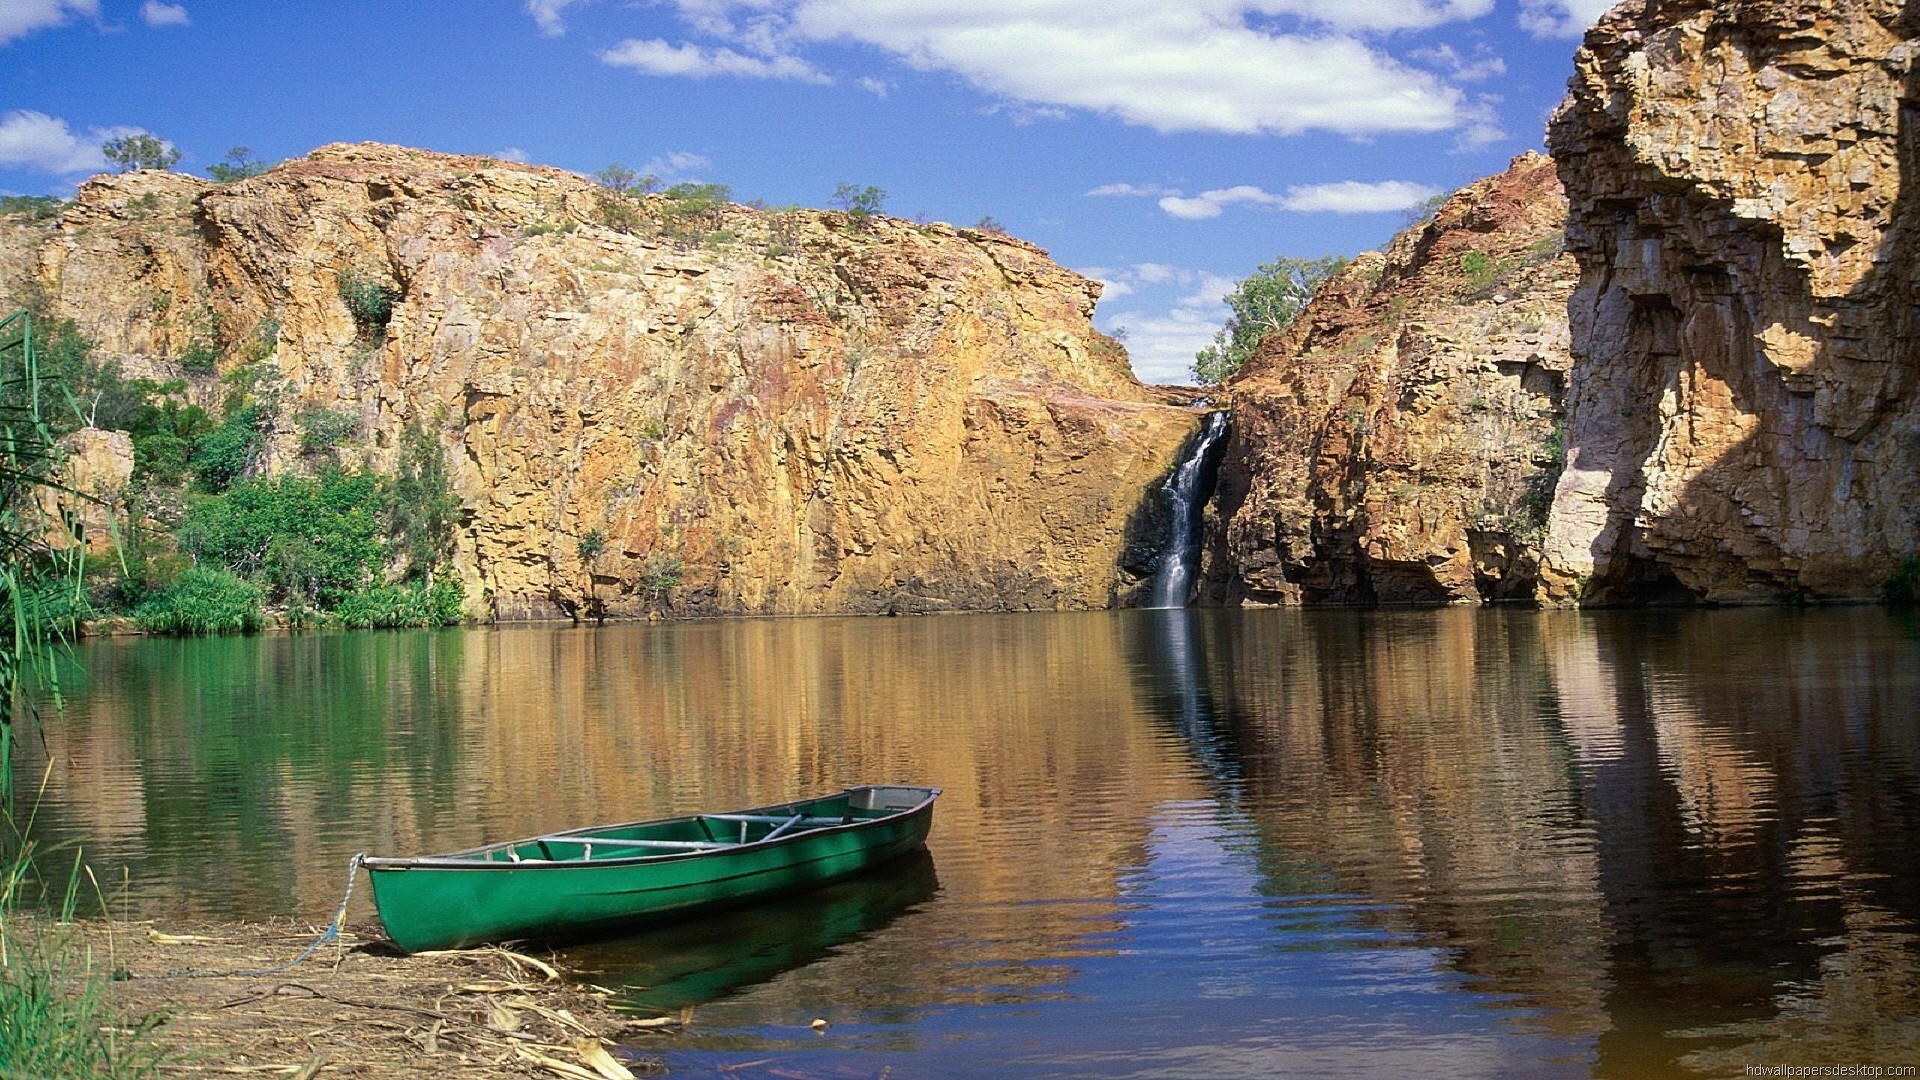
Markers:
point(1264, 303)
point(224, 455)
point(618, 200)
point(368, 299)
point(860, 203)
point(142, 151)
point(202, 601)
point(387, 607)
point(691, 210)
point(238, 165)
point(308, 539)
point(592, 545)
point(31, 207)
point(203, 352)
point(659, 573)
point(421, 508)
point(322, 429)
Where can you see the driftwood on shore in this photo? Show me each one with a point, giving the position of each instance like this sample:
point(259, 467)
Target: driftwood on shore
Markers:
point(358, 1008)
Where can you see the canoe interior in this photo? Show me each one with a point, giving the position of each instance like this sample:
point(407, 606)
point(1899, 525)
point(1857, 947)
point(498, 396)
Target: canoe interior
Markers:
point(687, 836)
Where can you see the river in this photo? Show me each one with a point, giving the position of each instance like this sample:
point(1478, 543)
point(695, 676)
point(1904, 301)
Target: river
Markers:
point(1182, 843)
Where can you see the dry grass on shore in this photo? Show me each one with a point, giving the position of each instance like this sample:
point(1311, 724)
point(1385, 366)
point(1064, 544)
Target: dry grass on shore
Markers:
point(357, 1008)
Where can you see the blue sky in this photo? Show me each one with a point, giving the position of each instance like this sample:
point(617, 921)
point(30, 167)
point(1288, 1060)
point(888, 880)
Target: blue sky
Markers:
point(1166, 147)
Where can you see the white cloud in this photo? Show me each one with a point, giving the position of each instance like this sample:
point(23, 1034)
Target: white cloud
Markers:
point(1131, 190)
point(34, 140)
point(1209, 204)
point(511, 153)
point(656, 57)
point(158, 13)
point(1172, 313)
point(676, 166)
point(879, 88)
point(1561, 18)
point(18, 18)
point(1377, 15)
point(1198, 65)
point(1483, 64)
point(1353, 197)
point(546, 14)
point(1343, 197)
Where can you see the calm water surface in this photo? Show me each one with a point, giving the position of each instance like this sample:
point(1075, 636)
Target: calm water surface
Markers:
point(1172, 844)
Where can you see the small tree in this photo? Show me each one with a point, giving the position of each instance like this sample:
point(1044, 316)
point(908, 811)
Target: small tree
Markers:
point(238, 165)
point(860, 203)
point(142, 151)
point(618, 199)
point(1265, 303)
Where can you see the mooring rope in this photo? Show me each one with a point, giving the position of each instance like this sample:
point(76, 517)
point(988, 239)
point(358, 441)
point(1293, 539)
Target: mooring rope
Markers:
point(332, 933)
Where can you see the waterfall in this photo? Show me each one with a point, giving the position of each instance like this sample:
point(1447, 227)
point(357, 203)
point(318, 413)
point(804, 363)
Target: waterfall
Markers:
point(1186, 491)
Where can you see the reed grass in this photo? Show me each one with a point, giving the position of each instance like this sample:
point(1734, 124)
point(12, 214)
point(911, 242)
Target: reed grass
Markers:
point(56, 1020)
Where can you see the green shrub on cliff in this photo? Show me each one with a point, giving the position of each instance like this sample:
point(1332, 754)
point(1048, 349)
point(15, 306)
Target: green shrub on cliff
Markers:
point(368, 299)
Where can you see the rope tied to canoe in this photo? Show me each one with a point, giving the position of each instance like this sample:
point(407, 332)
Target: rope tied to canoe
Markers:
point(331, 933)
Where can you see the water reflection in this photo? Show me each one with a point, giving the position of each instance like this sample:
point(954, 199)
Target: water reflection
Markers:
point(672, 968)
point(1180, 842)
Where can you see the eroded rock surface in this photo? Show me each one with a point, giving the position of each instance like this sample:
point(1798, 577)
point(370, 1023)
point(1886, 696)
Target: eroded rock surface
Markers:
point(1742, 409)
point(1398, 444)
point(759, 411)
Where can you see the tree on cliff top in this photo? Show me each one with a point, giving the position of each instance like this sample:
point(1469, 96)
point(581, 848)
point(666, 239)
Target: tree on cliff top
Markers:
point(1265, 303)
point(142, 151)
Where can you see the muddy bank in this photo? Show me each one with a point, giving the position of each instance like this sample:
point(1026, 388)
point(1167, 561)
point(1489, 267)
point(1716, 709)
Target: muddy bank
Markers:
point(358, 1008)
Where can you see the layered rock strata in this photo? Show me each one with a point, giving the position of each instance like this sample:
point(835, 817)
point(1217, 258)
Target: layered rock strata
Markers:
point(739, 411)
point(1744, 409)
point(1399, 442)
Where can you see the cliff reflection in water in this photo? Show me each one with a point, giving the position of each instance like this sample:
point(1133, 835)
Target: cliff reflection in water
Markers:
point(1616, 843)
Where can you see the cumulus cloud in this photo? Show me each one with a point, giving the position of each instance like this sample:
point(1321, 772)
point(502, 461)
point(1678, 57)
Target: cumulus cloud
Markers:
point(546, 15)
point(657, 57)
point(1354, 197)
point(34, 140)
point(157, 13)
point(1342, 197)
point(1142, 190)
point(1483, 64)
point(18, 18)
point(1561, 18)
point(1172, 313)
point(676, 166)
point(1220, 66)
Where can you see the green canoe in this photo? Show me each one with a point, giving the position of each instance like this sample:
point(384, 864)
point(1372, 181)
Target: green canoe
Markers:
point(597, 880)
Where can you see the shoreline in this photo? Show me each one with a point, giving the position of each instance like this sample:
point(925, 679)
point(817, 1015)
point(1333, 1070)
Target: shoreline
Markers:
point(215, 1004)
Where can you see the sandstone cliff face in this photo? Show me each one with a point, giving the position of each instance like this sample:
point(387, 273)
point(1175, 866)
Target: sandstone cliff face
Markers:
point(1398, 443)
point(788, 411)
point(1744, 419)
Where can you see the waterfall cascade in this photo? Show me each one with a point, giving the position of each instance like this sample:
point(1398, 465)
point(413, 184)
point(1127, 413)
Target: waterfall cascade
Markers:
point(1186, 491)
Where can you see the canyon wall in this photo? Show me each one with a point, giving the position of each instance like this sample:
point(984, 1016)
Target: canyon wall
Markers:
point(757, 411)
point(1743, 413)
point(1399, 442)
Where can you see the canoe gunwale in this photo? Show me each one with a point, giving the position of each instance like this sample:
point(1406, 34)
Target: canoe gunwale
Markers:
point(473, 858)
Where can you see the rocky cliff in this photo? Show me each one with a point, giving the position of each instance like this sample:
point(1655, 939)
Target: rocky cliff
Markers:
point(756, 411)
point(1399, 442)
point(1744, 409)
